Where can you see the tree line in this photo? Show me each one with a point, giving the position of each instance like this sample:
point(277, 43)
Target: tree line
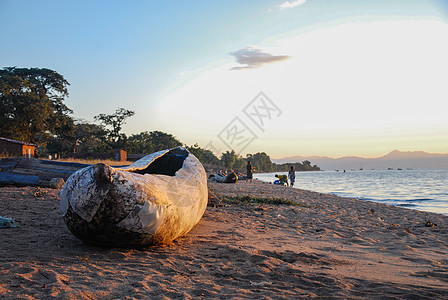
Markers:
point(32, 109)
point(261, 162)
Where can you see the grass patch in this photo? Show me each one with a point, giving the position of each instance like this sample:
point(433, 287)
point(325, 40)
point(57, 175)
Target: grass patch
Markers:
point(87, 161)
point(96, 161)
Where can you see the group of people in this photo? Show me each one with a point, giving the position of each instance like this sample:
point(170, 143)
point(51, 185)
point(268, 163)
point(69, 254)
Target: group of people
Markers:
point(282, 178)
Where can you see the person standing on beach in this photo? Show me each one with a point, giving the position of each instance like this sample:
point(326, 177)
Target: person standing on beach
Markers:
point(249, 170)
point(292, 176)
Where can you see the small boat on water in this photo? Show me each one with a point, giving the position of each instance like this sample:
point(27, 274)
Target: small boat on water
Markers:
point(155, 200)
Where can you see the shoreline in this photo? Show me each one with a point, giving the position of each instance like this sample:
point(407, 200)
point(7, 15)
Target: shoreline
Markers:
point(421, 190)
point(326, 247)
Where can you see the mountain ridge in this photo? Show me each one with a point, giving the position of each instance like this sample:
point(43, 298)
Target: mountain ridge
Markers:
point(393, 159)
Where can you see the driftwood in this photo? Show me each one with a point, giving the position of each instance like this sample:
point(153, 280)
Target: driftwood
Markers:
point(22, 171)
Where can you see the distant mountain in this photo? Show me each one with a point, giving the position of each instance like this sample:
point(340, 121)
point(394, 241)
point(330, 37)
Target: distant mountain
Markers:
point(395, 159)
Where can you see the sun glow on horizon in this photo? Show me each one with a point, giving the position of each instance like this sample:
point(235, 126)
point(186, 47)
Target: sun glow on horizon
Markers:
point(342, 83)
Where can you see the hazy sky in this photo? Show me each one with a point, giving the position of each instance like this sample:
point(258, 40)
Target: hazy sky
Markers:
point(338, 77)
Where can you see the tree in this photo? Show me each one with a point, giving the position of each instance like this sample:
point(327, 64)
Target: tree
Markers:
point(80, 136)
point(140, 143)
point(304, 166)
point(162, 140)
point(148, 142)
point(205, 156)
point(232, 161)
point(62, 142)
point(32, 105)
point(208, 157)
point(228, 159)
point(88, 137)
point(240, 164)
point(113, 123)
point(308, 167)
point(261, 161)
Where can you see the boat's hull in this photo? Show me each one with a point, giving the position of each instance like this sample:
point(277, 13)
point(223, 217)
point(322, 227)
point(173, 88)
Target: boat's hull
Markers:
point(130, 207)
point(230, 178)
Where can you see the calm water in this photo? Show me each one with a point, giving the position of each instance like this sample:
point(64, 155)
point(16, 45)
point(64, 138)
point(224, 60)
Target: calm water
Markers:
point(422, 189)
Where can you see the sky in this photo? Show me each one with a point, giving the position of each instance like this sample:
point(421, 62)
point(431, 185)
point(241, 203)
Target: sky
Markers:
point(304, 77)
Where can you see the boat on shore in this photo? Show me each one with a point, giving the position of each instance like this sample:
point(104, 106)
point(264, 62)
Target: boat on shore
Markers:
point(225, 178)
point(155, 200)
point(24, 171)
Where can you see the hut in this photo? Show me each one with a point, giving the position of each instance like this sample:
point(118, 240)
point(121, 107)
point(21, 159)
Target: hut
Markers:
point(119, 155)
point(16, 148)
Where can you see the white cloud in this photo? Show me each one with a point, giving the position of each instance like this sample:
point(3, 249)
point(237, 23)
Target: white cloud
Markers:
point(252, 58)
point(291, 4)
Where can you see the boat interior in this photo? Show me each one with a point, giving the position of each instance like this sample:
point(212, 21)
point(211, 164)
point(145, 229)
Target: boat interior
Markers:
point(167, 164)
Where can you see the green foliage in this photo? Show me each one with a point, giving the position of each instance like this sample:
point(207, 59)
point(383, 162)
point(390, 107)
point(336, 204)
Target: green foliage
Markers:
point(162, 140)
point(308, 167)
point(113, 123)
point(231, 161)
point(228, 159)
point(140, 143)
point(80, 137)
point(62, 142)
point(261, 162)
point(205, 156)
point(240, 164)
point(148, 142)
point(89, 137)
point(32, 105)
point(304, 166)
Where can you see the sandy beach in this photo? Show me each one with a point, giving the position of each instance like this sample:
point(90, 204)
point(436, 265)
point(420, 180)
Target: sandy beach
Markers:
point(325, 247)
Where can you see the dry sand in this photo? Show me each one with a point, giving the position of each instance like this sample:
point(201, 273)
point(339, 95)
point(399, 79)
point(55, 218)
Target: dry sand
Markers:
point(327, 247)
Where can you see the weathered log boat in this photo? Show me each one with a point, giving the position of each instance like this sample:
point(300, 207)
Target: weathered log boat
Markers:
point(23, 171)
point(228, 178)
point(155, 200)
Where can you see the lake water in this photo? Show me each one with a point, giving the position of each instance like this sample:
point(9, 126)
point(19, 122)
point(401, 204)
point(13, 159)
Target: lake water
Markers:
point(422, 189)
